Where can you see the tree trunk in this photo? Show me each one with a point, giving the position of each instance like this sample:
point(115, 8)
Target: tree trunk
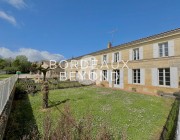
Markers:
point(45, 93)
point(44, 76)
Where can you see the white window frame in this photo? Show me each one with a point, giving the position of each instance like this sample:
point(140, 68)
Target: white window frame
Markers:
point(136, 79)
point(103, 61)
point(163, 49)
point(104, 75)
point(116, 57)
point(136, 54)
point(164, 77)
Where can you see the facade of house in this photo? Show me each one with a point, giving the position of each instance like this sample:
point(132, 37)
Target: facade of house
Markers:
point(148, 65)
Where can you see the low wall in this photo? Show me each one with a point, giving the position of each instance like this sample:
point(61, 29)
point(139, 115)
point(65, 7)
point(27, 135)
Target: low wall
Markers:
point(5, 114)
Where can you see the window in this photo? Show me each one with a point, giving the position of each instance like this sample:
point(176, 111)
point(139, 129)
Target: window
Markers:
point(117, 77)
point(136, 76)
point(116, 57)
point(92, 75)
point(136, 54)
point(163, 49)
point(104, 75)
point(164, 76)
point(104, 58)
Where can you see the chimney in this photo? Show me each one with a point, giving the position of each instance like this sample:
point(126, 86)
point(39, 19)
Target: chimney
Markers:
point(109, 45)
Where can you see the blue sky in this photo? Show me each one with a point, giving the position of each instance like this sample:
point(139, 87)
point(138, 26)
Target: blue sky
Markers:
point(77, 27)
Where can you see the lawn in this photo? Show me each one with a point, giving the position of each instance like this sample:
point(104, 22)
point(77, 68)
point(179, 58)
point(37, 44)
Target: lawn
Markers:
point(4, 76)
point(141, 117)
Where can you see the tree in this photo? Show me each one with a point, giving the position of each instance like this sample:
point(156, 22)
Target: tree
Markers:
point(45, 88)
point(22, 62)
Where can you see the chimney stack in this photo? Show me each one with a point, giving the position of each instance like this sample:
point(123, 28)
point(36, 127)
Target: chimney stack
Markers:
point(109, 45)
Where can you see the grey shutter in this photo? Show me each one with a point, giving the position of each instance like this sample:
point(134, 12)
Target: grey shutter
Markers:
point(120, 57)
point(142, 74)
point(141, 52)
point(154, 76)
point(130, 54)
point(100, 74)
point(155, 50)
point(129, 76)
point(112, 57)
point(110, 78)
point(171, 47)
point(122, 78)
point(174, 77)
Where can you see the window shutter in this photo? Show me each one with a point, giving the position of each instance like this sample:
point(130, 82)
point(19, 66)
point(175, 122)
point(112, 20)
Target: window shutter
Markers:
point(120, 57)
point(107, 75)
point(154, 76)
point(155, 50)
point(130, 54)
point(141, 52)
point(121, 78)
point(112, 57)
point(171, 47)
point(174, 77)
point(110, 78)
point(129, 76)
point(102, 59)
point(100, 74)
point(107, 58)
point(142, 74)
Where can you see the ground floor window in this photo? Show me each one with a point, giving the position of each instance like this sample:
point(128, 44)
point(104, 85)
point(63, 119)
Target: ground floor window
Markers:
point(104, 75)
point(164, 76)
point(136, 76)
point(117, 77)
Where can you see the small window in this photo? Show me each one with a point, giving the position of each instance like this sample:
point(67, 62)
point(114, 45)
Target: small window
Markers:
point(163, 49)
point(104, 75)
point(136, 76)
point(104, 58)
point(116, 57)
point(164, 76)
point(136, 54)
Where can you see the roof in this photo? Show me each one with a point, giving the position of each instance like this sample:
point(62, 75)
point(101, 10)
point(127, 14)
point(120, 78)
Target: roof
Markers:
point(135, 42)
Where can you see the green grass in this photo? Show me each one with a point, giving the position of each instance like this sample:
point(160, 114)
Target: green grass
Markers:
point(4, 76)
point(142, 117)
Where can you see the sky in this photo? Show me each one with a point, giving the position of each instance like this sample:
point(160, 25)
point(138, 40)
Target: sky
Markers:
point(62, 29)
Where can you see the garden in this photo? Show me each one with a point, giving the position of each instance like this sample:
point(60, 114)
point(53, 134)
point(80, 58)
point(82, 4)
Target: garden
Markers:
point(114, 113)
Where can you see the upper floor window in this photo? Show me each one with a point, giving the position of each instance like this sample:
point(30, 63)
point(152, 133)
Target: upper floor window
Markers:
point(116, 57)
point(104, 58)
point(136, 76)
point(164, 76)
point(93, 61)
point(163, 49)
point(136, 54)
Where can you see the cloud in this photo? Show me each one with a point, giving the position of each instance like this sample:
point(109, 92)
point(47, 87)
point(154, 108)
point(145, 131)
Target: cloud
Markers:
point(31, 54)
point(8, 18)
point(19, 4)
